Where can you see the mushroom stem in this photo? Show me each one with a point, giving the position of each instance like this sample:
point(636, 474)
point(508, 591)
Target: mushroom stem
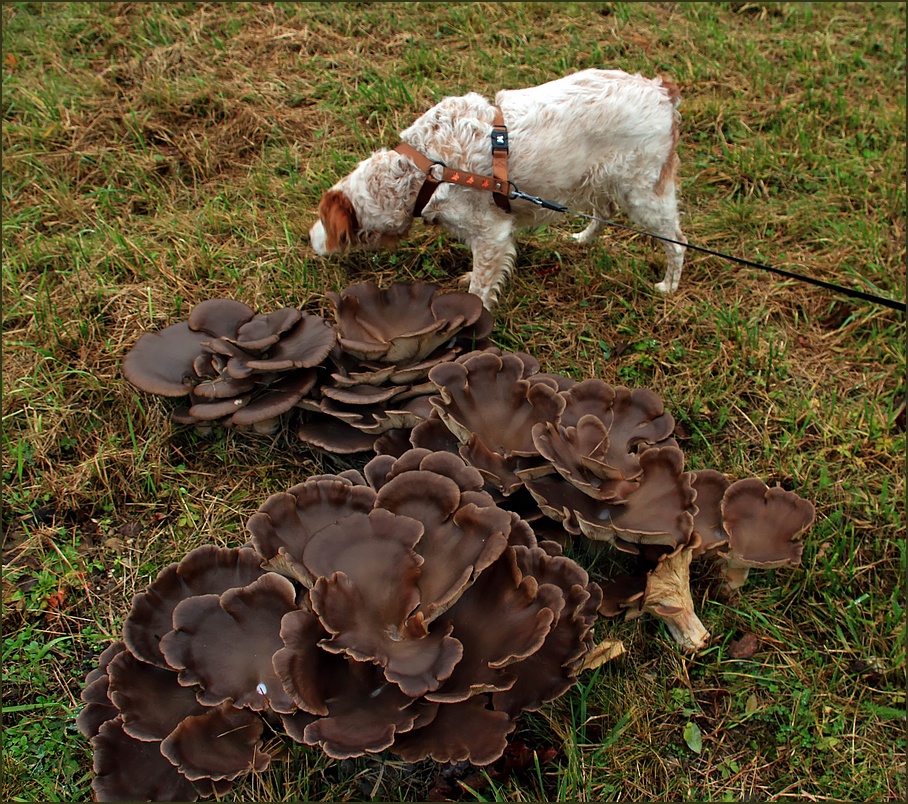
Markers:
point(668, 597)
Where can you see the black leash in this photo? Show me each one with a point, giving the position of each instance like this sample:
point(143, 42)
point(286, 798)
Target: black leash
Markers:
point(857, 294)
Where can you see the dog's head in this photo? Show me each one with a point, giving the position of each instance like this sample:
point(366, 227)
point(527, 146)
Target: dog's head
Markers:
point(369, 209)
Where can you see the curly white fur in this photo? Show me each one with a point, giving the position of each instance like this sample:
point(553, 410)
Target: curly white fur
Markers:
point(591, 140)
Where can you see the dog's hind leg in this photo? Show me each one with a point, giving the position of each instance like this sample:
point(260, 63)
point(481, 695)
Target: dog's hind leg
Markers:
point(657, 213)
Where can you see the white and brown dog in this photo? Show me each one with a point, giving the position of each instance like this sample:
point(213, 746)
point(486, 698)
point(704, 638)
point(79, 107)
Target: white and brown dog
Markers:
point(591, 140)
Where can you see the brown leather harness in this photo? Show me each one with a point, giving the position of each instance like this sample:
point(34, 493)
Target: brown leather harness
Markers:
point(438, 172)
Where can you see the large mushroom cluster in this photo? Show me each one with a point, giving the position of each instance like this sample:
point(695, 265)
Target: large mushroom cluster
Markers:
point(348, 382)
point(601, 461)
point(419, 605)
point(397, 609)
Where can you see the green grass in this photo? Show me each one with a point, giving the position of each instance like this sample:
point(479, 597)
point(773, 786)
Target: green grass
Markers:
point(155, 155)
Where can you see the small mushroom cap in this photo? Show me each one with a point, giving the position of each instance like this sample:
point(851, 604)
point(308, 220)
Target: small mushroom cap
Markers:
point(278, 399)
point(364, 712)
point(219, 317)
point(222, 743)
point(661, 510)
point(459, 732)
point(98, 707)
point(162, 362)
point(524, 615)
point(764, 524)
point(304, 346)
point(488, 396)
point(262, 331)
point(225, 644)
point(127, 769)
point(150, 699)
point(329, 434)
point(404, 323)
point(205, 570)
point(459, 541)
point(286, 522)
point(552, 669)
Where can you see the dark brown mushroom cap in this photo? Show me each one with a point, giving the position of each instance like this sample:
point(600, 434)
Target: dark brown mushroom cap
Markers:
point(368, 601)
point(162, 362)
point(552, 669)
point(264, 330)
point(279, 398)
point(221, 744)
point(127, 769)
point(433, 434)
point(583, 455)
point(219, 317)
point(98, 707)
point(395, 442)
point(639, 416)
point(329, 434)
point(763, 524)
point(710, 487)
point(589, 397)
point(205, 570)
point(223, 387)
point(404, 323)
point(304, 346)
point(382, 469)
point(660, 511)
point(306, 671)
point(218, 409)
point(363, 711)
point(459, 541)
point(524, 615)
point(285, 523)
point(459, 732)
point(225, 644)
point(620, 592)
point(150, 699)
point(488, 396)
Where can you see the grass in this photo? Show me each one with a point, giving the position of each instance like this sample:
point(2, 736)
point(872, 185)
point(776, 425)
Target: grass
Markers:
point(158, 154)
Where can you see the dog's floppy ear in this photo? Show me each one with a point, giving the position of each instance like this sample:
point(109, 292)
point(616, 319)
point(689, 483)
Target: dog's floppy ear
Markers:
point(339, 219)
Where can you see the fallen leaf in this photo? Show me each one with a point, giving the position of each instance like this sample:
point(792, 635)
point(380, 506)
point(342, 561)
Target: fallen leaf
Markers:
point(693, 737)
point(744, 648)
point(604, 652)
point(11, 61)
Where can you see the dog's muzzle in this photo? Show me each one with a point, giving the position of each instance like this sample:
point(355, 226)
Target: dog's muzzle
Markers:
point(318, 239)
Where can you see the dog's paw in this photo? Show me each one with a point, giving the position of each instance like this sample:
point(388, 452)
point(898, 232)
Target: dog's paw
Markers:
point(665, 287)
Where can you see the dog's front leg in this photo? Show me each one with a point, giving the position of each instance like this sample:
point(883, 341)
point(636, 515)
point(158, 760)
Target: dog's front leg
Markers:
point(493, 259)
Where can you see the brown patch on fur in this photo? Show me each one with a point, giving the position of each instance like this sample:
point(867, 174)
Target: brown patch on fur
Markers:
point(339, 219)
point(674, 93)
point(670, 165)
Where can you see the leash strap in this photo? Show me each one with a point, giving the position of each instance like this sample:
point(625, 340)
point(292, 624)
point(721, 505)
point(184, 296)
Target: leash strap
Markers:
point(438, 172)
point(853, 292)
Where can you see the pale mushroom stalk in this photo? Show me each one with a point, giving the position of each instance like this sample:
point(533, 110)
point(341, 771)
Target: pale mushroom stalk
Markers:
point(668, 597)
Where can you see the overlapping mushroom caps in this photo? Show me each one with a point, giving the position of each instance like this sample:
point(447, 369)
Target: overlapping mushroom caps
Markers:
point(237, 367)
point(400, 609)
point(388, 340)
point(157, 734)
point(601, 461)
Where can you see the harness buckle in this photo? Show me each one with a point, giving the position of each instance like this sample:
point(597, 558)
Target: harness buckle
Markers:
point(499, 139)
